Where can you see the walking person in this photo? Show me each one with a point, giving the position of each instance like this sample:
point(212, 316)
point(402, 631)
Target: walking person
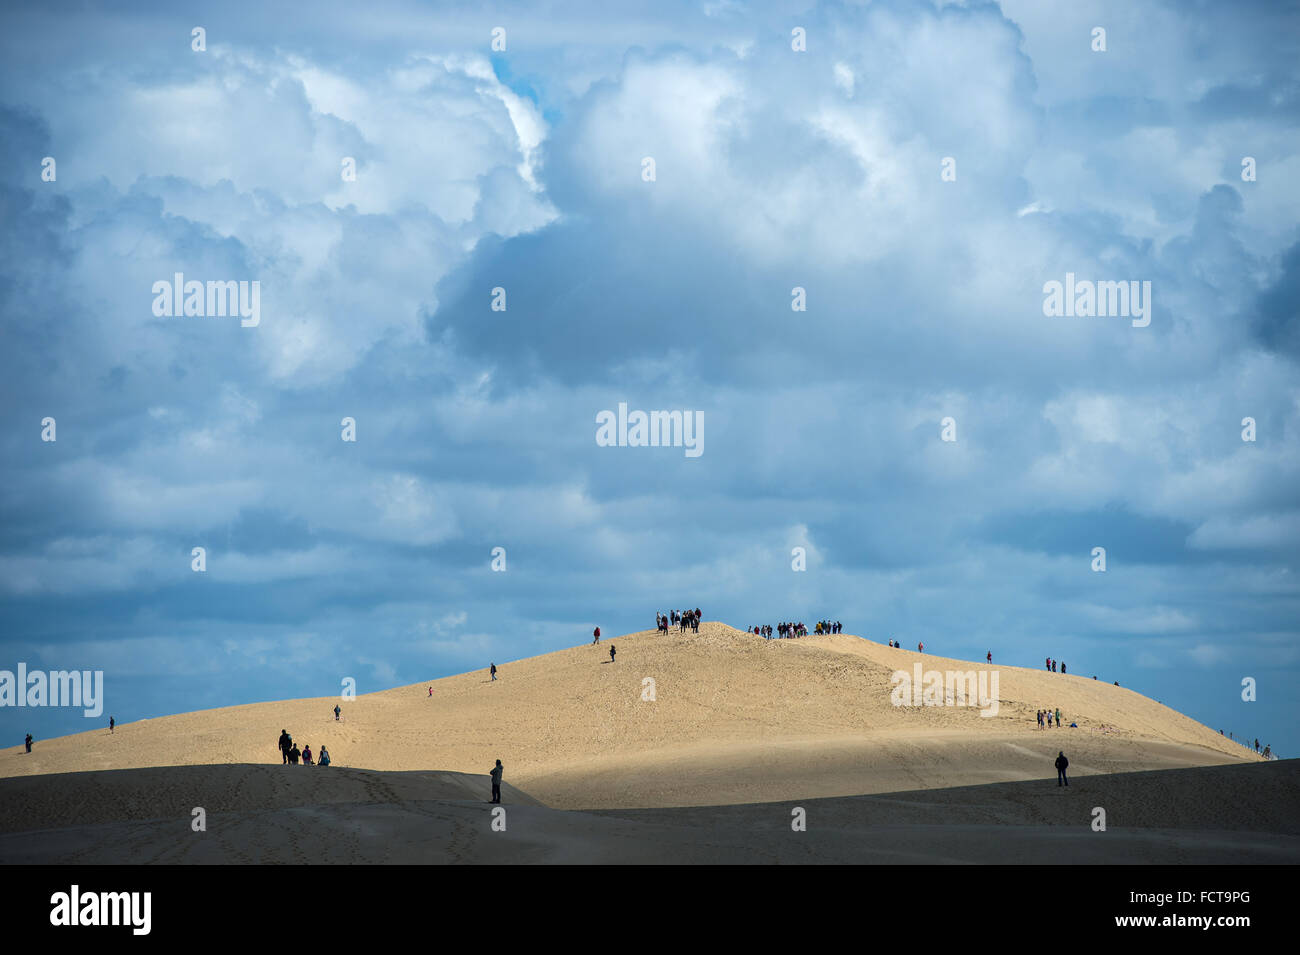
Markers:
point(285, 743)
point(611, 653)
point(990, 656)
point(337, 711)
point(1058, 717)
point(29, 742)
point(492, 668)
point(595, 636)
point(496, 773)
point(112, 722)
point(1061, 763)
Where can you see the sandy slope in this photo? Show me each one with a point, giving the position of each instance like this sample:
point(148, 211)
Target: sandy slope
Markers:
point(735, 719)
point(267, 814)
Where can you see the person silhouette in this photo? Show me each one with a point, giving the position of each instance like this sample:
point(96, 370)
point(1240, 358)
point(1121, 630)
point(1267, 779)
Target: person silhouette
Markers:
point(497, 772)
point(611, 653)
point(1061, 764)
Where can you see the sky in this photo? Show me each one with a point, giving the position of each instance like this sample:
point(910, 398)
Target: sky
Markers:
point(825, 232)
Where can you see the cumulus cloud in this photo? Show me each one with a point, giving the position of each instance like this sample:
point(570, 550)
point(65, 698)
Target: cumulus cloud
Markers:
point(525, 170)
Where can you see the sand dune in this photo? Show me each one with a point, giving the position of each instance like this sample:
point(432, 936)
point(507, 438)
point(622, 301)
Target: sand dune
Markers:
point(735, 719)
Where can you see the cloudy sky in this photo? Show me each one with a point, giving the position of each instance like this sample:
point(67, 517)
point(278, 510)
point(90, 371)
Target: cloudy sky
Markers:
point(524, 169)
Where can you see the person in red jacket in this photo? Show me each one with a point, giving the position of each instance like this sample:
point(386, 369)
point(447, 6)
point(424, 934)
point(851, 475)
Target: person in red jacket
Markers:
point(595, 636)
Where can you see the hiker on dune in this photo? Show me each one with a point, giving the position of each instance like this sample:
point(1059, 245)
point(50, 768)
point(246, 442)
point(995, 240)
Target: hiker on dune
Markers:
point(496, 774)
point(1061, 763)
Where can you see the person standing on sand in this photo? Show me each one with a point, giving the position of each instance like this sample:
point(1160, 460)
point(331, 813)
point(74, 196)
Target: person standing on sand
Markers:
point(920, 648)
point(1058, 717)
point(285, 743)
point(611, 653)
point(492, 668)
point(112, 722)
point(595, 636)
point(337, 711)
point(29, 742)
point(496, 774)
point(431, 691)
point(1062, 667)
point(306, 754)
point(324, 757)
point(1061, 763)
point(294, 755)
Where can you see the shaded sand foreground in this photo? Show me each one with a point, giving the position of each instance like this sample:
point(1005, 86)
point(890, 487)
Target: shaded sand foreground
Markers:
point(734, 719)
point(270, 814)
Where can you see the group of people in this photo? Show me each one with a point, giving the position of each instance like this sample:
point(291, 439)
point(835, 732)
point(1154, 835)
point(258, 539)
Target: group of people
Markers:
point(681, 619)
point(1267, 752)
point(920, 647)
point(292, 755)
point(1049, 718)
point(1051, 665)
point(788, 631)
